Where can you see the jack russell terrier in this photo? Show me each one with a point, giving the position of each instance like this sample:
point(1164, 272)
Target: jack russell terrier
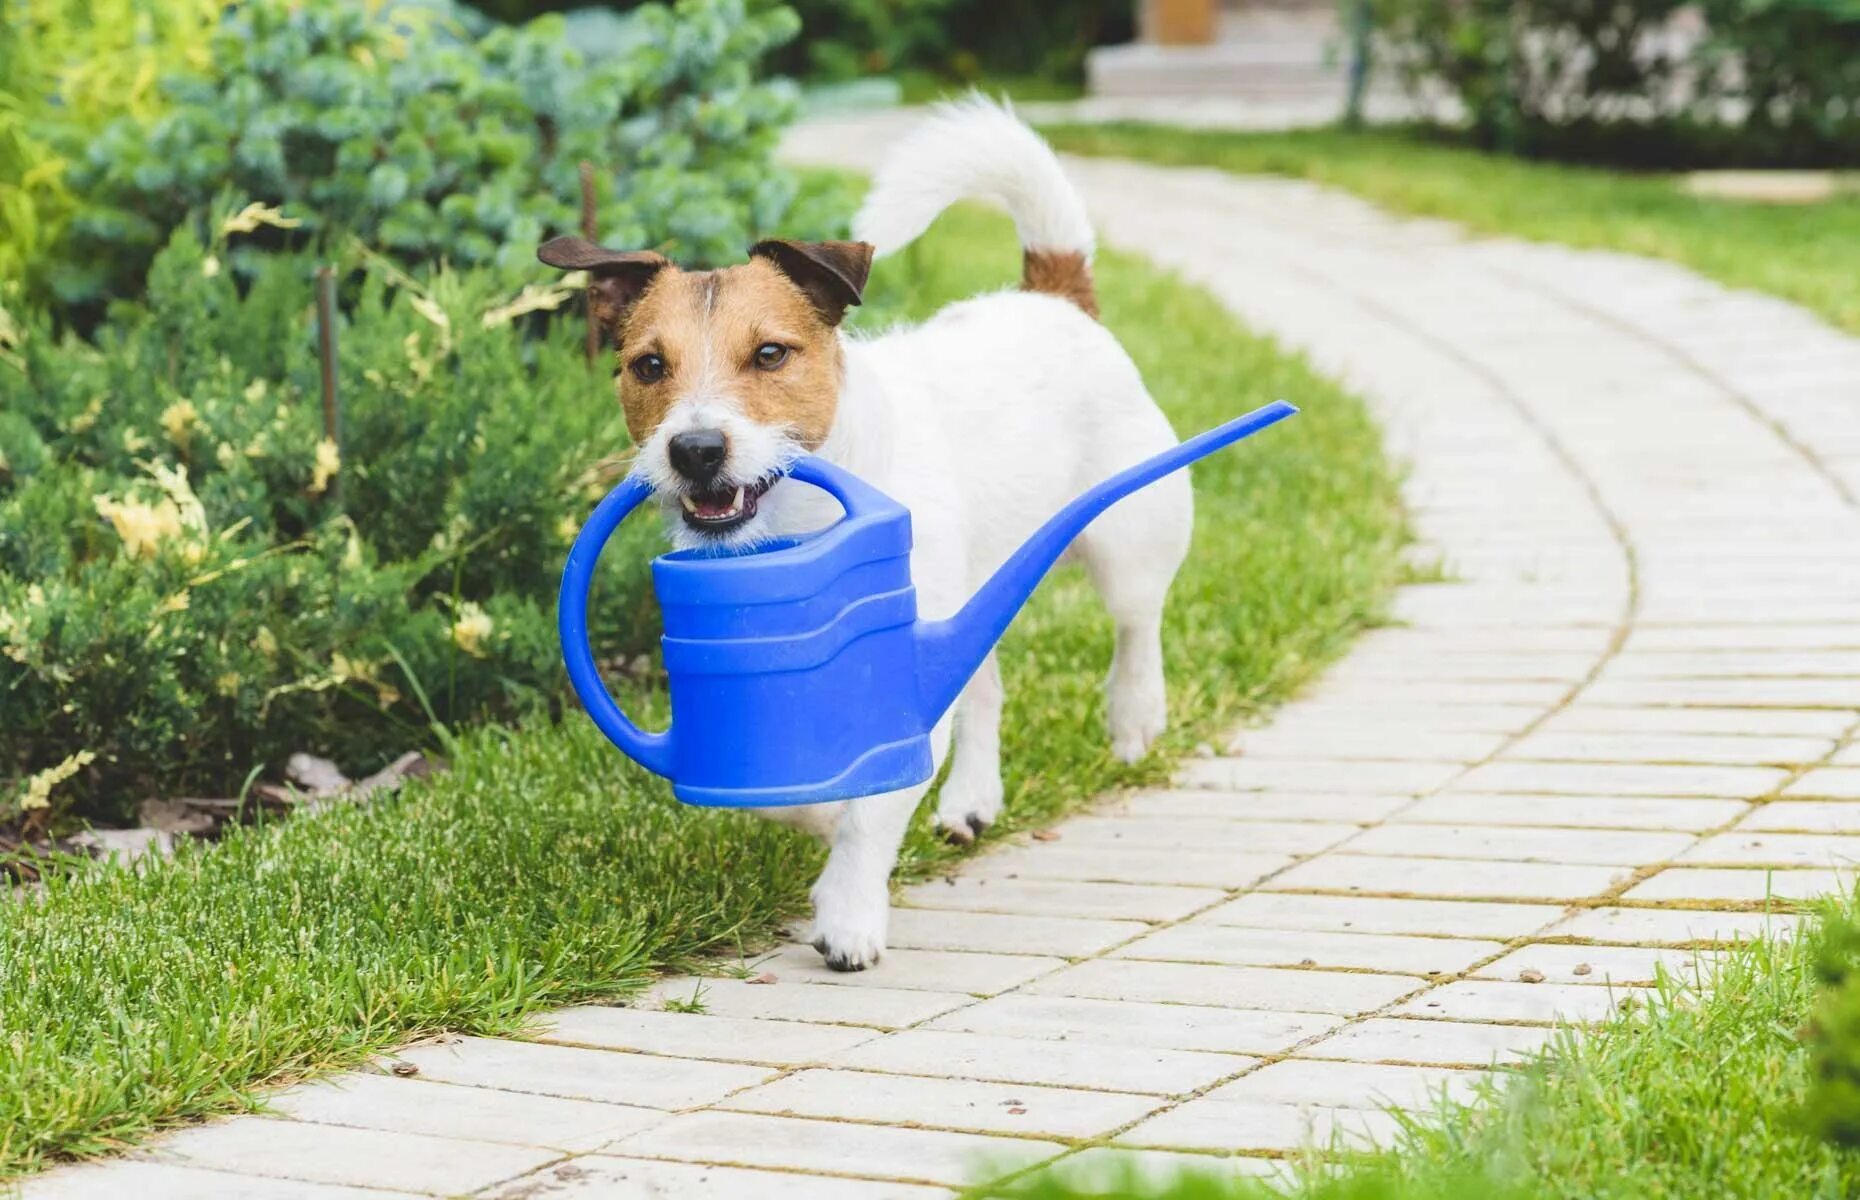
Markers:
point(984, 420)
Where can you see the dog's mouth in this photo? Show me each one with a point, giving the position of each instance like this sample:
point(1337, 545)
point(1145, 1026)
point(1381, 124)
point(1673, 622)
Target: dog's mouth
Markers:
point(721, 509)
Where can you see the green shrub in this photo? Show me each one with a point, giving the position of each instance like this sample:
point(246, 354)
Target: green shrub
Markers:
point(1834, 1091)
point(959, 39)
point(68, 68)
point(407, 129)
point(194, 580)
point(1766, 82)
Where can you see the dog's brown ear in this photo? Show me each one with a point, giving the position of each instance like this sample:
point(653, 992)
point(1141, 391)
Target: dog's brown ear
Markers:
point(616, 278)
point(832, 274)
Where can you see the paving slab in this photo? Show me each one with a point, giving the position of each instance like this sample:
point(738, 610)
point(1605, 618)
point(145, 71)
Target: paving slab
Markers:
point(1343, 992)
point(164, 1181)
point(1133, 1023)
point(965, 1104)
point(875, 1006)
point(394, 1105)
point(1753, 885)
point(1237, 946)
point(580, 1073)
point(1805, 816)
point(1233, 1125)
point(1377, 914)
point(700, 1035)
point(1599, 965)
point(1576, 812)
point(1533, 844)
point(1150, 1070)
point(950, 929)
point(1447, 877)
point(1350, 1085)
point(368, 1158)
point(1430, 1042)
point(609, 1177)
point(1120, 865)
point(1053, 898)
point(1543, 1003)
point(1672, 926)
point(834, 1147)
point(1281, 805)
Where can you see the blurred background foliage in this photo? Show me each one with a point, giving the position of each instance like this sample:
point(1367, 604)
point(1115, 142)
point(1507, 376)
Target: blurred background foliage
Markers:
point(1646, 84)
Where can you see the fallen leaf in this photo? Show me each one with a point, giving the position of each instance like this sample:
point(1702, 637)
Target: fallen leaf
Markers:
point(1530, 975)
point(1046, 835)
point(1581, 969)
point(405, 1070)
point(765, 977)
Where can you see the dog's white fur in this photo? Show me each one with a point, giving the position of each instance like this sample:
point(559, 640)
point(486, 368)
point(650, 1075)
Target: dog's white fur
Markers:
point(983, 421)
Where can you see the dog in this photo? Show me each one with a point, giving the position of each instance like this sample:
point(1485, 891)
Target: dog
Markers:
point(983, 421)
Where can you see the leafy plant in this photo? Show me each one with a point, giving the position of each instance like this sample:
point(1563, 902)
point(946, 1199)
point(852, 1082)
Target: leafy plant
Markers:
point(1834, 1068)
point(68, 68)
point(405, 127)
point(1769, 82)
point(194, 577)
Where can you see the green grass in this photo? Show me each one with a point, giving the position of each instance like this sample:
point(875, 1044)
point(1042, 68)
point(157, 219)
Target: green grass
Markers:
point(1699, 1095)
point(1808, 254)
point(545, 869)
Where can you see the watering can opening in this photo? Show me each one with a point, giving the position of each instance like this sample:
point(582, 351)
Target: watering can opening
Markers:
point(799, 669)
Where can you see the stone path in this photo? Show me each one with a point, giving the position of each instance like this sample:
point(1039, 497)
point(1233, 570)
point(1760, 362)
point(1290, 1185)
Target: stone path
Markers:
point(1625, 721)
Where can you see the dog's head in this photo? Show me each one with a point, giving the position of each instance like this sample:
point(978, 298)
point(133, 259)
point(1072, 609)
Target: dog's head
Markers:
point(725, 376)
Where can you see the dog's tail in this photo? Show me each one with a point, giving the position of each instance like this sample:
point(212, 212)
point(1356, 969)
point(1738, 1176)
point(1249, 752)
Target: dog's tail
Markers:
point(977, 148)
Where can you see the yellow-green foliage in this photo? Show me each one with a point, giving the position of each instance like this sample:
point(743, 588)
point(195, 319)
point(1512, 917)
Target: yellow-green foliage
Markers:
point(76, 65)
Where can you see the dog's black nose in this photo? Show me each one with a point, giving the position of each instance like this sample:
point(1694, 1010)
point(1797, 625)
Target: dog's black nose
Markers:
point(698, 455)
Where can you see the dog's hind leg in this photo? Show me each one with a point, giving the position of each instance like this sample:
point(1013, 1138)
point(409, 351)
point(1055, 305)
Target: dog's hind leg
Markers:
point(1131, 554)
point(971, 797)
point(852, 897)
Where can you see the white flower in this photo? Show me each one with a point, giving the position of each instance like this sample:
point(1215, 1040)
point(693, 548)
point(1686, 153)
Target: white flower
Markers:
point(39, 787)
point(328, 462)
point(472, 629)
point(249, 218)
point(178, 421)
point(143, 527)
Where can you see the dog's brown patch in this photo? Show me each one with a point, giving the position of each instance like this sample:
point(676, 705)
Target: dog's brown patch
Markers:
point(707, 326)
point(1062, 273)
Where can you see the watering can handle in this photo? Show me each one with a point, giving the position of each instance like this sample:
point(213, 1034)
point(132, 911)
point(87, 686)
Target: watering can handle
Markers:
point(651, 750)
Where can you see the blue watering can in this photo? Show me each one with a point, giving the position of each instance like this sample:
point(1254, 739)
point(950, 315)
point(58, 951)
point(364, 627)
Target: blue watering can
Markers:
point(792, 663)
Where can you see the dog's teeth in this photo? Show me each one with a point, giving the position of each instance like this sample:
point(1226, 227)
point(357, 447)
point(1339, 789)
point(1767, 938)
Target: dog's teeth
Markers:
point(738, 502)
point(689, 503)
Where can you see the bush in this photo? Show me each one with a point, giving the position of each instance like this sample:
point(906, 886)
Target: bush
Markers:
point(961, 39)
point(1640, 82)
point(1834, 1090)
point(68, 68)
point(194, 580)
point(409, 130)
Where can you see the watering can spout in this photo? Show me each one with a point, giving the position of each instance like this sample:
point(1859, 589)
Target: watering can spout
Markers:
point(950, 651)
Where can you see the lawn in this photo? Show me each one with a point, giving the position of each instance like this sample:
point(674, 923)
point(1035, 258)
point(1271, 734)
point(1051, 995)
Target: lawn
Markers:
point(545, 869)
point(1702, 1095)
point(1809, 254)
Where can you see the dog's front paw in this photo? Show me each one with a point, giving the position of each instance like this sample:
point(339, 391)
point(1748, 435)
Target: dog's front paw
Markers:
point(967, 807)
point(849, 931)
point(1137, 717)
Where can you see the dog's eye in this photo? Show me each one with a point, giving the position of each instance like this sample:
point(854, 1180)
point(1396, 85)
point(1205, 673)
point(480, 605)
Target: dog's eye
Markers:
point(648, 368)
point(770, 355)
